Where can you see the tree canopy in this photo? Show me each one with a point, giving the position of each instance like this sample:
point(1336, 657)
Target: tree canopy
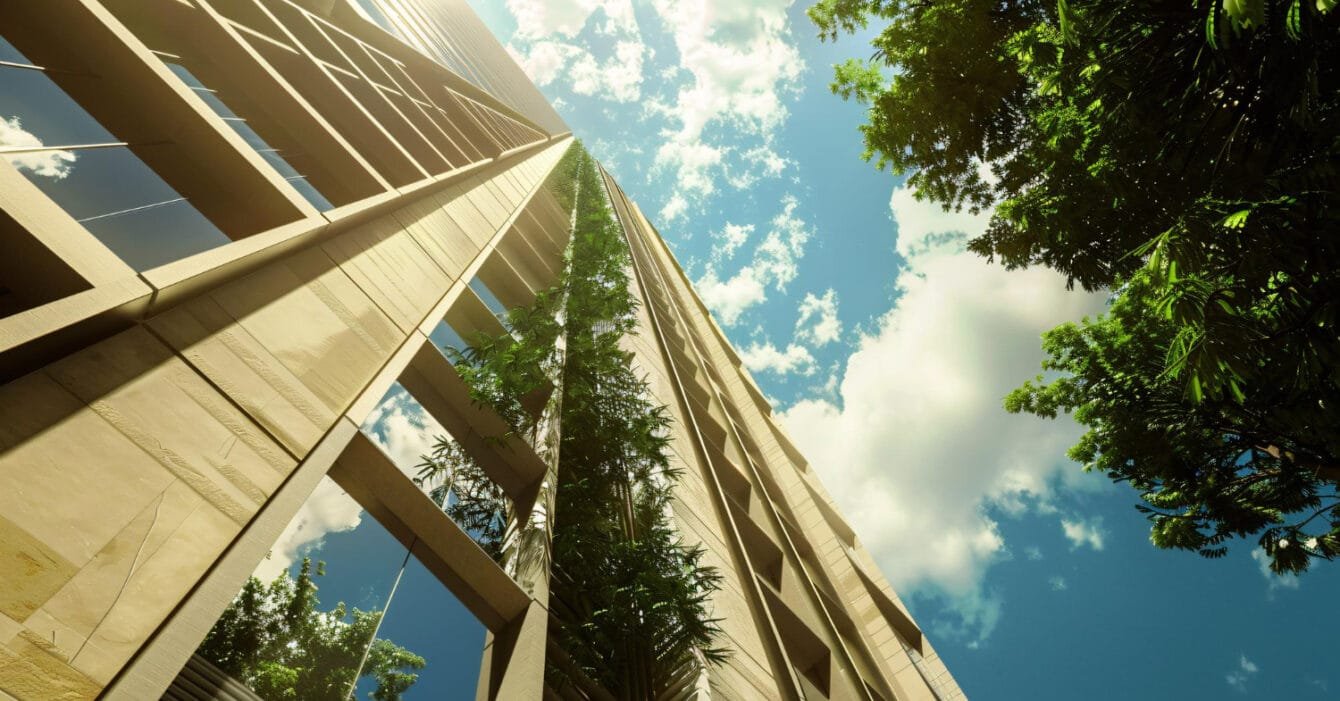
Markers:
point(275, 640)
point(1182, 156)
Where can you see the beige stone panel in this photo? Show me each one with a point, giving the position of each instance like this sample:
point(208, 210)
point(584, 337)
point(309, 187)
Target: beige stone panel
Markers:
point(32, 571)
point(744, 680)
point(485, 199)
point(386, 263)
point(508, 197)
point(316, 322)
point(31, 670)
point(466, 210)
point(68, 477)
point(450, 246)
point(222, 350)
point(94, 607)
point(136, 384)
point(9, 627)
point(154, 587)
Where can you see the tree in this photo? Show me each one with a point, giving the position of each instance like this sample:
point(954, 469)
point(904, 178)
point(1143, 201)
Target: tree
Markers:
point(274, 639)
point(1183, 156)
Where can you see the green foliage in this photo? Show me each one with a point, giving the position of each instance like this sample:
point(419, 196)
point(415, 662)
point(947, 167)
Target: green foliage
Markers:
point(629, 600)
point(479, 506)
point(1183, 155)
point(274, 639)
point(504, 371)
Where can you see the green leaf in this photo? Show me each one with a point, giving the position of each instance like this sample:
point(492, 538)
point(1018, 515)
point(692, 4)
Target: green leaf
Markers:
point(1293, 20)
point(1236, 220)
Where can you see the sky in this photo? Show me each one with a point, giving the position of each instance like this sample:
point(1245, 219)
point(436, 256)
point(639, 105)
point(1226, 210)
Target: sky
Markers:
point(859, 314)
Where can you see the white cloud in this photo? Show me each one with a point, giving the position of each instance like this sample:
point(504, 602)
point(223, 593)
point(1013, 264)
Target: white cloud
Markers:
point(404, 429)
point(673, 208)
point(1238, 677)
point(741, 61)
point(775, 263)
point(1081, 533)
point(54, 164)
point(546, 60)
point(918, 450)
point(923, 226)
point(695, 161)
point(779, 255)
point(818, 322)
point(545, 44)
point(618, 78)
point(731, 297)
point(1033, 553)
point(1276, 581)
point(328, 510)
point(755, 164)
point(761, 357)
point(729, 239)
point(536, 19)
point(1058, 583)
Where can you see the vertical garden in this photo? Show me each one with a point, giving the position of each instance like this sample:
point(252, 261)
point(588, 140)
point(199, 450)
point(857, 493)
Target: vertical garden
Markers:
point(628, 601)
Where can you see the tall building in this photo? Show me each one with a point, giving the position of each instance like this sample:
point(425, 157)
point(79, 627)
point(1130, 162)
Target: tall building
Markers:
point(235, 236)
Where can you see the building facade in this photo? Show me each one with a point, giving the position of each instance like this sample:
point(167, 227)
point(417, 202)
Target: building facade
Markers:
point(233, 233)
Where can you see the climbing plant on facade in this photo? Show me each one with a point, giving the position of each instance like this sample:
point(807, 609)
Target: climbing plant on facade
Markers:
point(629, 601)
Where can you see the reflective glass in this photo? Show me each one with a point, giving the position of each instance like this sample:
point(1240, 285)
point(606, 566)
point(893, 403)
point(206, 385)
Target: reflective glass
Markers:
point(372, 12)
point(310, 193)
point(34, 111)
point(283, 167)
point(490, 300)
point(444, 335)
point(426, 452)
point(215, 103)
point(334, 586)
point(248, 134)
point(428, 620)
point(9, 53)
point(123, 203)
point(181, 72)
point(253, 139)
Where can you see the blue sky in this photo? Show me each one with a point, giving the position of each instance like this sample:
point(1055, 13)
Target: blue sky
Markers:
point(861, 318)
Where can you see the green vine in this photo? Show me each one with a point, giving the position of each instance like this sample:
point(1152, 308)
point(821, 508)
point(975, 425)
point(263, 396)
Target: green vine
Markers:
point(629, 601)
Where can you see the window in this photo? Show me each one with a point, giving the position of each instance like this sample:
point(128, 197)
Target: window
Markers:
point(339, 600)
point(273, 156)
point(92, 175)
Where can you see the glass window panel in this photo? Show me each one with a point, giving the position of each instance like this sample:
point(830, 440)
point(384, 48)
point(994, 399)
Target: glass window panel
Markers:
point(353, 564)
point(361, 576)
point(370, 10)
point(186, 75)
point(9, 53)
point(426, 619)
point(34, 111)
point(310, 193)
point(253, 139)
point(215, 103)
point(248, 134)
point(445, 335)
point(148, 238)
point(284, 168)
point(490, 300)
point(122, 202)
point(426, 452)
